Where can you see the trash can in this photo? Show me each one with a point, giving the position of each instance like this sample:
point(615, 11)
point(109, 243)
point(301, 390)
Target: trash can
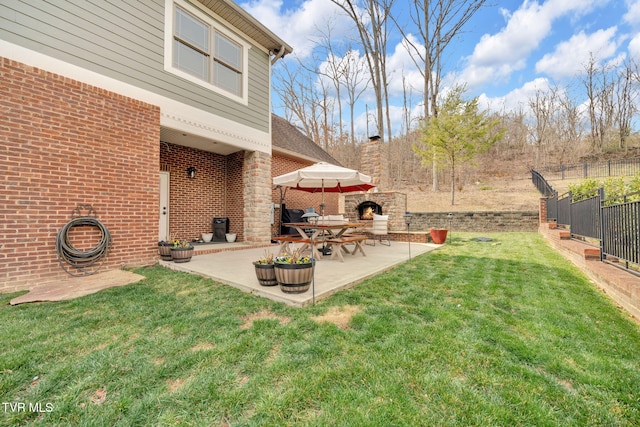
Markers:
point(220, 229)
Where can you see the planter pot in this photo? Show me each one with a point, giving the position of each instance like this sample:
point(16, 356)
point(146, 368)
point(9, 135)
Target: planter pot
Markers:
point(266, 274)
point(206, 237)
point(294, 278)
point(438, 235)
point(231, 237)
point(165, 252)
point(181, 254)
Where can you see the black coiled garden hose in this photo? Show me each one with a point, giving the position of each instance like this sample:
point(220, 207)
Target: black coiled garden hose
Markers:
point(85, 262)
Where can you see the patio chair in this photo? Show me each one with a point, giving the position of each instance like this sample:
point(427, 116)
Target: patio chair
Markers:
point(379, 230)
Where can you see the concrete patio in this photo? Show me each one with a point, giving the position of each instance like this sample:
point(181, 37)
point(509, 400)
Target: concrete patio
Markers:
point(235, 268)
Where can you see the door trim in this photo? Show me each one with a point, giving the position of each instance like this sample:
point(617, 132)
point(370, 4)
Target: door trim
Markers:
point(163, 206)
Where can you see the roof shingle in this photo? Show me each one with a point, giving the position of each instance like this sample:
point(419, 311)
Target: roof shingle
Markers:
point(288, 140)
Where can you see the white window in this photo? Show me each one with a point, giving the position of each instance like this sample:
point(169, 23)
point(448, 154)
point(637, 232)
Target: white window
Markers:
point(200, 50)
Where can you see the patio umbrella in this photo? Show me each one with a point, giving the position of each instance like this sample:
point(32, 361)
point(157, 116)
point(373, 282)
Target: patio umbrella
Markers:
point(325, 178)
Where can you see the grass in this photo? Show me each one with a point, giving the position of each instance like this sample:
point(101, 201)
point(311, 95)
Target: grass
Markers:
point(501, 333)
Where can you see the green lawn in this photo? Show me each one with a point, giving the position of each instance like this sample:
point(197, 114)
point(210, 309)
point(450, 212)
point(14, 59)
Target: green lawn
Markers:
point(500, 333)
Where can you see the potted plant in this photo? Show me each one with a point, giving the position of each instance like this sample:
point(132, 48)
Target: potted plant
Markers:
point(294, 272)
point(438, 235)
point(181, 251)
point(265, 270)
point(164, 249)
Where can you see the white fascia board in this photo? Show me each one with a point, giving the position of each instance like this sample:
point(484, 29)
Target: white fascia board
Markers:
point(173, 114)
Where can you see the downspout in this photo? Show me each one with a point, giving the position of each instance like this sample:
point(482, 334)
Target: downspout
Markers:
point(278, 55)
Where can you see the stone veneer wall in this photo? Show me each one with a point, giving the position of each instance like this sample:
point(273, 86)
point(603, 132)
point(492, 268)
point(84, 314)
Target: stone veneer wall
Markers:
point(394, 204)
point(371, 163)
point(257, 200)
point(484, 221)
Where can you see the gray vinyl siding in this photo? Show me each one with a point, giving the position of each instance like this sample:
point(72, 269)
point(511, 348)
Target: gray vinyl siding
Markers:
point(125, 40)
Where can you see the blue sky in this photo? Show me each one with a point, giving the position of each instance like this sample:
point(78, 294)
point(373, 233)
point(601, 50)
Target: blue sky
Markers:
point(506, 52)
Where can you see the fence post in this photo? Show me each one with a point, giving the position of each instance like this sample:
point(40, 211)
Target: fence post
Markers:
point(602, 233)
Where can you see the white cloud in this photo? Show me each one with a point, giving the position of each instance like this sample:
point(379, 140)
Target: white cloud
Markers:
point(517, 99)
point(570, 57)
point(497, 56)
point(634, 47)
point(633, 13)
point(400, 65)
point(299, 27)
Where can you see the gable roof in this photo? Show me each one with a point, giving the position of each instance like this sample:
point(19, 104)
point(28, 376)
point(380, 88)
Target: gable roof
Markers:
point(287, 140)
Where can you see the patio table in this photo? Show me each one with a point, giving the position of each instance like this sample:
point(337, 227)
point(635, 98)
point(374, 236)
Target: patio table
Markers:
point(312, 235)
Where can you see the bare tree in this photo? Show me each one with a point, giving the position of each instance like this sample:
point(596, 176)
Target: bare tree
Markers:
point(626, 96)
point(333, 68)
point(568, 125)
point(542, 105)
point(356, 81)
point(600, 93)
point(438, 23)
point(307, 102)
point(371, 19)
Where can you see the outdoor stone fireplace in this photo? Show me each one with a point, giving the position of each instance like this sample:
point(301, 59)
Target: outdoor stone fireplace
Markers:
point(362, 205)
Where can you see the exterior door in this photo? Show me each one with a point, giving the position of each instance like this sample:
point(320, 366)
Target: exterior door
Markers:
point(163, 221)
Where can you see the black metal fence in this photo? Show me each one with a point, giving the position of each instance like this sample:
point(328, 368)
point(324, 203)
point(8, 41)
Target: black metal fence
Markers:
point(621, 232)
point(612, 224)
point(623, 167)
point(585, 217)
point(541, 184)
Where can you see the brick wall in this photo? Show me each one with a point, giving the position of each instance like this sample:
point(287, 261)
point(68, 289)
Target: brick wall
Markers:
point(235, 196)
point(64, 143)
point(193, 203)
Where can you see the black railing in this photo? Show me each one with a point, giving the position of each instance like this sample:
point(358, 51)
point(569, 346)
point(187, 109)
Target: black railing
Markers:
point(552, 207)
point(623, 167)
point(541, 184)
point(620, 241)
point(585, 218)
point(613, 224)
point(564, 210)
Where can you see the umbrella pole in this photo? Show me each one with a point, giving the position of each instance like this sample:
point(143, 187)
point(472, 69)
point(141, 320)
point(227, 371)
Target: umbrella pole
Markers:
point(313, 281)
point(322, 204)
point(324, 249)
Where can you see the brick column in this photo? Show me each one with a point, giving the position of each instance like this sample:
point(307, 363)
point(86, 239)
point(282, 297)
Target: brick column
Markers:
point(543, 210)
point(257, 197)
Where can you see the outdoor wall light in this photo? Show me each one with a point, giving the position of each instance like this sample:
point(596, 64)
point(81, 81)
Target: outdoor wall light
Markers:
point(191, 172)
point(407, 220)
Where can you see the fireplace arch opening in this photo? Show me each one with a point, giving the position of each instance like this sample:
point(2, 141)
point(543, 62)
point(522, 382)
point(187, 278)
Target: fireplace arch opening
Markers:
point(367, 209)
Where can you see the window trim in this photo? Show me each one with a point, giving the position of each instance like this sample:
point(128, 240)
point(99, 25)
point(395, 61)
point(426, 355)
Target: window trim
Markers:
point(215, 26)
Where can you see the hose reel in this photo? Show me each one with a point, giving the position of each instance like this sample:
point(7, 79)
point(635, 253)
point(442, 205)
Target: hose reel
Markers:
point(79, 262)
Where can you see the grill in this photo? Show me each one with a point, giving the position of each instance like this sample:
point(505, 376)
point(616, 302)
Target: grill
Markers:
point(220, 229)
